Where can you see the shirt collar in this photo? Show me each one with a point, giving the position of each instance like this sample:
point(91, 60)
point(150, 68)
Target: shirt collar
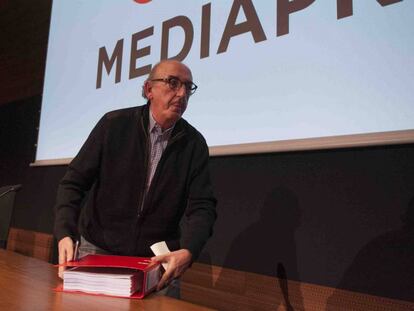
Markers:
point(153, 125)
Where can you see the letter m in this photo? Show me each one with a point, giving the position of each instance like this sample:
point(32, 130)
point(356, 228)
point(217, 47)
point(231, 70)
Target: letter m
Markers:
point(104, 60)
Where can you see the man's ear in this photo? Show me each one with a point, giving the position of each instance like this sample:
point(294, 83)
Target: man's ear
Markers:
point(148, 89)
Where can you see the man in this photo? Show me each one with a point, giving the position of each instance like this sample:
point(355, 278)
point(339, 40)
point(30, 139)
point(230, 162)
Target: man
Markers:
point(145, 169)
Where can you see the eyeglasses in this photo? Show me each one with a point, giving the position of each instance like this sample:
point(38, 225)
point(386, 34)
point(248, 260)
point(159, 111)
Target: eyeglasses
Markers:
point(175, 84)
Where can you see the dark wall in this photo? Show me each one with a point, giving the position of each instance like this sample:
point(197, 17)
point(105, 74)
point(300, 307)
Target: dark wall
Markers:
point(24, 32)
point(339, 218)
point(18, 136)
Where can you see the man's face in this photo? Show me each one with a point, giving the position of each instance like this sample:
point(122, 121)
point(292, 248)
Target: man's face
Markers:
point(167, 104)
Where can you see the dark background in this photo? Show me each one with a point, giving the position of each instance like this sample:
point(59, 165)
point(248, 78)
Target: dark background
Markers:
point(339, 218)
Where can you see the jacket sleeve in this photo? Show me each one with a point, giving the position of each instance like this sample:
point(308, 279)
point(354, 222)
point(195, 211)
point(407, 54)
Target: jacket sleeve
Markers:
point(200, 213)
point(79, 178)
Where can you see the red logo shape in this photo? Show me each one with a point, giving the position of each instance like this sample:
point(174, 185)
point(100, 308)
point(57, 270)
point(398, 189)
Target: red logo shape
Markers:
point(142, 1)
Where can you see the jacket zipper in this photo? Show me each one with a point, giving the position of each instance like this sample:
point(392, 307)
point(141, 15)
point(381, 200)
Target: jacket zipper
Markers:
point(146, 157)
point(149, 195)
point(145, 197)
point(137, 228)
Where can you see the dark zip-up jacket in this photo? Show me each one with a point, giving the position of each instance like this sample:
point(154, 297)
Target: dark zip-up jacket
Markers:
point(112, 167)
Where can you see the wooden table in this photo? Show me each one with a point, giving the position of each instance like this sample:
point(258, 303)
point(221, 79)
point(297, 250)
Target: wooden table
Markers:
point(27, 284)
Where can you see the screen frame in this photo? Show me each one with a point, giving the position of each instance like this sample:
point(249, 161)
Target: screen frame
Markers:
point(306, 144)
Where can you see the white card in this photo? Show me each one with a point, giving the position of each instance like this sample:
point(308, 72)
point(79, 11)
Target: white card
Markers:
point(160, 248)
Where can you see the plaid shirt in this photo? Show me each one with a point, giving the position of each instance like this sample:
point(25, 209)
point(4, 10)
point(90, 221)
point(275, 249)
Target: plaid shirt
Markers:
point(158, 143)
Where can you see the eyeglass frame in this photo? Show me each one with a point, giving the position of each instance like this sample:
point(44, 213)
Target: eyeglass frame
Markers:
point(190, 87)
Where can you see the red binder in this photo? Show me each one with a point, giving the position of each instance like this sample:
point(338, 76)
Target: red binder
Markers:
point(149, 273)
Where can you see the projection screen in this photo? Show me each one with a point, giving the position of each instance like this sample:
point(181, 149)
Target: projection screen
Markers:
point(272, 75)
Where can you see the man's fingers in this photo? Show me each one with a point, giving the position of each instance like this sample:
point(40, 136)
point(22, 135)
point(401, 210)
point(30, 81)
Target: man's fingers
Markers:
point(168, 274)
point(178, 262)
point(60, 272)
point(69, 254)
point(166, 278)
point(62, 260)
point(65, 253)
point(160, 258)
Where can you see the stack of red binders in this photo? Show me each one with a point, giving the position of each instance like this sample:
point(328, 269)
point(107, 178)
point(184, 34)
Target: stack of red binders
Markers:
point(119, 276)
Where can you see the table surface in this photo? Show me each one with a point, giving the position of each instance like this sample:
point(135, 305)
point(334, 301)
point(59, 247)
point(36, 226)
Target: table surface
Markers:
point(27, 284)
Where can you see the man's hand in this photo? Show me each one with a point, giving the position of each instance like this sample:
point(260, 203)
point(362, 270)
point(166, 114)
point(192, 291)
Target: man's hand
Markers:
point(65, 247)
point(177, 261)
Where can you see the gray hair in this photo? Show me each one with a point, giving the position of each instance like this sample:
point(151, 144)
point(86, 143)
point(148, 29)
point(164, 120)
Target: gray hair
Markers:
point(150, 77)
